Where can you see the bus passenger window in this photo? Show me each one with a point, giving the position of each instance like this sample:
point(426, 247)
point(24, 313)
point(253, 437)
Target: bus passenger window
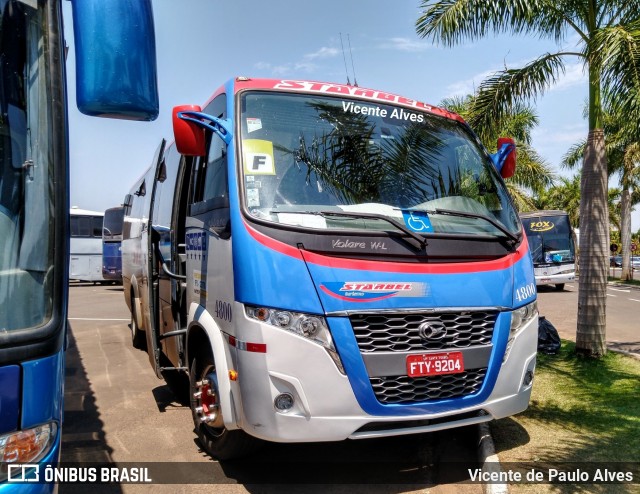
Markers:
point(215, 173)
point(210, 186)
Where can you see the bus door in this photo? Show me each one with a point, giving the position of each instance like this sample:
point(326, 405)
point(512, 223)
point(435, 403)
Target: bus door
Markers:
point(154, 234)
point(167, 254)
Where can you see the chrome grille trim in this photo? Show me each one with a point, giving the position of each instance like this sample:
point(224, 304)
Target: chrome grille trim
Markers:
point(399, 331)
point(429, 310)
point(405, 389)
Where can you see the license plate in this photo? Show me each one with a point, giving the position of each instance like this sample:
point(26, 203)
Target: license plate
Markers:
point(434, 364)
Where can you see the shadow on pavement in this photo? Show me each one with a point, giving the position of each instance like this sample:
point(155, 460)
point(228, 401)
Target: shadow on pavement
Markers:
point(83, 437)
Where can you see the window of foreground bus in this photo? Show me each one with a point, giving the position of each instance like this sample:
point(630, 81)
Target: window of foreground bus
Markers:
point(326, 162)
point(26, 182)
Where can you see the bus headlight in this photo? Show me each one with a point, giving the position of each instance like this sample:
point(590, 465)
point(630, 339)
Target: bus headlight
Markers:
point(309, 326)
point(519, 318)
point(26, 446)
point(523, 315)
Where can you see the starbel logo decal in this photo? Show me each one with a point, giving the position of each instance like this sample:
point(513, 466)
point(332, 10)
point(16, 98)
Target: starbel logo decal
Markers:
point(432, 330)
point(369, 291)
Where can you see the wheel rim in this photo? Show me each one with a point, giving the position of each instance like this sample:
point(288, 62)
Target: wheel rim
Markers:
point(207, 401)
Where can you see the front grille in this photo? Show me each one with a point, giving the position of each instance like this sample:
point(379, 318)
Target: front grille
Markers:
point(400, 332)
point(405, 389)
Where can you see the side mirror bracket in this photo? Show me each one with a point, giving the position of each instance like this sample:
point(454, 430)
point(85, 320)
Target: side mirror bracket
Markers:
point(215, 125)
point(189, 125)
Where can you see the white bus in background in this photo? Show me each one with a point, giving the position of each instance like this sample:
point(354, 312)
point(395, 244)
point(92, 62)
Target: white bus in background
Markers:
point(85, 245)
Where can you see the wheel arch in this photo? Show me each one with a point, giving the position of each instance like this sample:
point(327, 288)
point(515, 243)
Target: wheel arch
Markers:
point(204, 333)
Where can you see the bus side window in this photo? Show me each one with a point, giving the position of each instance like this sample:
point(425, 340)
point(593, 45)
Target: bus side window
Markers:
point(211, 189)
point(210, 185)
point(215, 173)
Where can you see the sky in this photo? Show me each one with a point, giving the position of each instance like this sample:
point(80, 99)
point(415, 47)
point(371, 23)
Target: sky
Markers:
point(203, 43)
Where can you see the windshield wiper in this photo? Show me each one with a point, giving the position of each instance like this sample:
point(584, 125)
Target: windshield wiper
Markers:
point(420, 240)
point(460, 214)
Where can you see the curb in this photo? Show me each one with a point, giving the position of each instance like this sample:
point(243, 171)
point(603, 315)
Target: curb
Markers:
point(624, 352)
point(623, 285)
point(489, 460)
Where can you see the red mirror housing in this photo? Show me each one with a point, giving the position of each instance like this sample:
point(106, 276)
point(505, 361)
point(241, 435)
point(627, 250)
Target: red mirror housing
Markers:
point(509, 165)
point(189, 136)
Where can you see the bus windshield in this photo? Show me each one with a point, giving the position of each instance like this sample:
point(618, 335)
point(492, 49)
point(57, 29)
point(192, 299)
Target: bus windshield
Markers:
point(317, 162)
point(26, 168)
point(550, 239)
point(112, 225)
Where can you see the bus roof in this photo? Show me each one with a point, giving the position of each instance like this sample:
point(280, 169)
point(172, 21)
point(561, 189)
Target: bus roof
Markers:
point(76, 211)
point(333, 89)
point(543, 212)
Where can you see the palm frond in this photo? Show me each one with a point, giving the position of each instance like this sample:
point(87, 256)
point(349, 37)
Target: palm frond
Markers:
point(501, 91)
point(452, 21)
point(532, 171)
point(615, 51)
point(573, 157)
point(521, 199)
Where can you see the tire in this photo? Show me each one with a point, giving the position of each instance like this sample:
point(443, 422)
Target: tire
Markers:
point(138, 338)
point(559, 287)
point(215, 439)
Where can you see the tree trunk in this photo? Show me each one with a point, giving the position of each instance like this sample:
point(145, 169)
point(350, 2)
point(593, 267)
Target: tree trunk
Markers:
point(594, 249)
point(625, 234)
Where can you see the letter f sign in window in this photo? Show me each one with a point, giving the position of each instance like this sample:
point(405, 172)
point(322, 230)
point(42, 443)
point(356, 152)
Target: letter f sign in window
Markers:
point(258, 157)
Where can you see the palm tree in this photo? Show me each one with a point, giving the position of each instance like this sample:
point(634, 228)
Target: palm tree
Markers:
point(623, 157)
point(533, 174)
point(609, 46)
point(565, 195)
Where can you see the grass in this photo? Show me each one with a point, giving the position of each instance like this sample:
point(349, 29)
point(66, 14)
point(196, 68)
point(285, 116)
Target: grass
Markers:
point(581, 410)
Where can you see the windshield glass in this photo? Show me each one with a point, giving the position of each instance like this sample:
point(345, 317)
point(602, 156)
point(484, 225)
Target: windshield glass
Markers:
point(550, 239)
point(306, 155)
point(112, 226)
point(26, 169)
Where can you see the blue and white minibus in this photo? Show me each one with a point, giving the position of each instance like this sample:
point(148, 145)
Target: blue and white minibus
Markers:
point(328, 262)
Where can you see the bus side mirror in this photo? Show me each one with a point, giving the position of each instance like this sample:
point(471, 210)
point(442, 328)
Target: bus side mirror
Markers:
point(189, 136)
point(505, 158)
point(116, 68)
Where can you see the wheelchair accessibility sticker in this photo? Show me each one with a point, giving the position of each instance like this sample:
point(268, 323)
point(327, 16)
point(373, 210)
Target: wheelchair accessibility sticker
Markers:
point(417, 221)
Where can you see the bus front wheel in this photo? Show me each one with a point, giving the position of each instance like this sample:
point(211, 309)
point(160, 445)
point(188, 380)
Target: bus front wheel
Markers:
point(214, 437)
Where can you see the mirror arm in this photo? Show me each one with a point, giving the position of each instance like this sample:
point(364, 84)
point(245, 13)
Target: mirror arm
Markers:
point(217, 125)
point(500, 156)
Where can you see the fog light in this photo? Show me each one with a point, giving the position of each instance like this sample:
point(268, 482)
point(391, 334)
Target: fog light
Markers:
point(283, 402)
point(528, 378)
